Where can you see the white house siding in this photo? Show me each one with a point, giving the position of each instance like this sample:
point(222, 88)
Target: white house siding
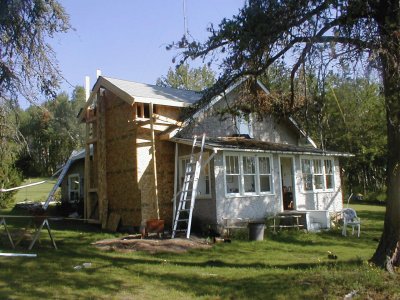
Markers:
point(320, 200)
point(269, 130)
point(258, 207)
point(252, 207)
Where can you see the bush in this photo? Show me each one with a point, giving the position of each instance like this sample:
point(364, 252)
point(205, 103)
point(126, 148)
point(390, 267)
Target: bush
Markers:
point(10, 177)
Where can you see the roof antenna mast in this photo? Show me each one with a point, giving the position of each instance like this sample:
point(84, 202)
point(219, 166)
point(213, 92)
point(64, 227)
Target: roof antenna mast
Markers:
point(185, 27)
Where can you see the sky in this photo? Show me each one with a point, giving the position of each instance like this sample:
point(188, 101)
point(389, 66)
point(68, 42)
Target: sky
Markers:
point(126, 39)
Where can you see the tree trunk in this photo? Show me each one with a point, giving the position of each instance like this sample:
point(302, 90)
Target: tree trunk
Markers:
point(388, 251)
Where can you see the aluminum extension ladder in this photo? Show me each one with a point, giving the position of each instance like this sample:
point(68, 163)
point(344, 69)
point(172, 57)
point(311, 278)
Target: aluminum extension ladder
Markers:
point(184, 212)
point(60, 178)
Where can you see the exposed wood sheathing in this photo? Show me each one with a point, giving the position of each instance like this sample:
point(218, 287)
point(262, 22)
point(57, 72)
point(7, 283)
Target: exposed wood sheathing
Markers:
point(102, 159)
point(122, 182)
point(121, 173)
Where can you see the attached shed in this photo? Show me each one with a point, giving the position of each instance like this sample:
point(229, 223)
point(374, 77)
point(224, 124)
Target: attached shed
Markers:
point(72, 186)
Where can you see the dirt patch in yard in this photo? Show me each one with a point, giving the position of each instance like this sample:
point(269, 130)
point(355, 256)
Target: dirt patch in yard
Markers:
point(135, 243)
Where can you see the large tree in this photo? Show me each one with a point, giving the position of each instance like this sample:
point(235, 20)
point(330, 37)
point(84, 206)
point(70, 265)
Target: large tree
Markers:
point(28, 68)
point(314, 33)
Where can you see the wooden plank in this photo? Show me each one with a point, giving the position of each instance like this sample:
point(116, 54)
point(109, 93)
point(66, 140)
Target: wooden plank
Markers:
point(154, 159)
point(167, 120)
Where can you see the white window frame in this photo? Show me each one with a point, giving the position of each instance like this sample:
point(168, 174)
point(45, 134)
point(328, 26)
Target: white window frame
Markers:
point(70, 187)
point(313, 173)
point(241, 174)
point(244, 126)
point(202, 175)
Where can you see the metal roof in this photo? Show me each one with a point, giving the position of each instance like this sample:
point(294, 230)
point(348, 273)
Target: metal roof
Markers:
point(148, 91)
point(252, 145)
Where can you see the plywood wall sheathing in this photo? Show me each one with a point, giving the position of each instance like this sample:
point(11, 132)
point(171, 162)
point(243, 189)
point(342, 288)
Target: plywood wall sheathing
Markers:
point(102, 160)
point(122, 182)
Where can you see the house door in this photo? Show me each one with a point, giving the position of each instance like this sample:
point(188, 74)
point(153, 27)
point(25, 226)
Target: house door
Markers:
point(287, 183)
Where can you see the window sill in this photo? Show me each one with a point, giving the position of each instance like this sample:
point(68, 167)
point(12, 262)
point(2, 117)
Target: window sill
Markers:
point(231, 196)
point(318, 191)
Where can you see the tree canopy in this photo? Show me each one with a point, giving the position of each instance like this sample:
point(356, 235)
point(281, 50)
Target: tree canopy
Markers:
point(27, 62)
point(28, 69)
point(319, 35)
point(186, 78)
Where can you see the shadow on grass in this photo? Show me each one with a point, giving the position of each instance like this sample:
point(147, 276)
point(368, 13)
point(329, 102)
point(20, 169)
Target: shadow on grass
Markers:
point(200, 279)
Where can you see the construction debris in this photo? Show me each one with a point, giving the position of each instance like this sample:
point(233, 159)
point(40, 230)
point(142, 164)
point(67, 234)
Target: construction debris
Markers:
point(134, 243)
point(18, 254)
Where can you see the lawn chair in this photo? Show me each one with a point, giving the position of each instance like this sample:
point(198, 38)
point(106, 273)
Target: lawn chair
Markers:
point(350, 219)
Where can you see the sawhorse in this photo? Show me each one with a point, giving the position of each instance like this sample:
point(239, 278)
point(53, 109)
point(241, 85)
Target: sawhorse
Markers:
point(43, 221)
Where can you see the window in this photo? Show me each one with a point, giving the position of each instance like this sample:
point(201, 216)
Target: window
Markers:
point(73, 188)
point(203, 185)
point(232, 174)
point(317, 174)
point(307, 175)
point(328, 174)
point(265, 174)
point(247, 174)
point(244, 125)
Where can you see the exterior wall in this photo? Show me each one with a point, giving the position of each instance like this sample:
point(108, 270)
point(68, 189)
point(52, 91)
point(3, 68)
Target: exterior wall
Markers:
point(268, 129)
point(125, 167)
point(204, 212)
point(123, 191)
point(165, 158)
point(261, 206)
point(252, 207)
point(77, 167)
point(319, 200)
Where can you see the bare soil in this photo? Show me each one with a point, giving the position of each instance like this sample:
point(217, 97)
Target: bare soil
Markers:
point(135, 243)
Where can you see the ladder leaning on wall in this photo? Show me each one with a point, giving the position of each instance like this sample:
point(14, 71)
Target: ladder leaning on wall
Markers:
point(60, 178)
point(187, 197)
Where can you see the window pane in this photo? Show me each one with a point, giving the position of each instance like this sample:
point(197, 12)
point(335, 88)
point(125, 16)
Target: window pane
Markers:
point(232, 184)
point(265, 183)
point(329, 181)
point(307, 179)
point(232, 164)
point(317, 166)
point(264, 165)
point(306, 166)
point(249, 165)
point(74, 181)
point(249, 183)
point(328, 167)
point(319, 182)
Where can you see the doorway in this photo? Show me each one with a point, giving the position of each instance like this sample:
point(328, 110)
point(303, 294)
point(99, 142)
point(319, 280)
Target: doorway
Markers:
point(287, 183)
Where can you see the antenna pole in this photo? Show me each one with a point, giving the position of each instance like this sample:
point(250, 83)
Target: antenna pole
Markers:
point(185, 30)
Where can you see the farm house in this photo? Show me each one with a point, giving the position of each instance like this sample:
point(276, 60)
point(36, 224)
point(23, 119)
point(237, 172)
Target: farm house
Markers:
point(255, 168)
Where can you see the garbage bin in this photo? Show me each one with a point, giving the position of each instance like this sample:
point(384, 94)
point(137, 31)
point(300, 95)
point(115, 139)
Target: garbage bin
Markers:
point(256, 231)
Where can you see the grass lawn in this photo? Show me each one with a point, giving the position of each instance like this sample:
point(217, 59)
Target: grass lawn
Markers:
point(36, 192)
point(288, 265)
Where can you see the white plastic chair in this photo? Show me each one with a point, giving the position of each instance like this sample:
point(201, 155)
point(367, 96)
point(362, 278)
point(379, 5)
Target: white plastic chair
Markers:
point(350, 219)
